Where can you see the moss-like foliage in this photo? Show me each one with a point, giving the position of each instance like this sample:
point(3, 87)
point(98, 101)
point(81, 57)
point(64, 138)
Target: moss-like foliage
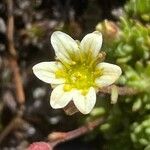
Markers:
point(139, 9)
point(127, 44)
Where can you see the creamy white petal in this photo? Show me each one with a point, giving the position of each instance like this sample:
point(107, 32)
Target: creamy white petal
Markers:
point(92, 42)
point(110, 73)
point(45, 71)
point(64, 46)
point(85, 103)
point(60, 98)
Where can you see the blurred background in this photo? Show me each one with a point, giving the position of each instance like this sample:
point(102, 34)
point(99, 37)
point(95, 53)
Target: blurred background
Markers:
point(125, 25)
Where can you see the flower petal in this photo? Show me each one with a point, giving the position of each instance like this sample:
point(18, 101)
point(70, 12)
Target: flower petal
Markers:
point(110, 73)
point(92, 43)
point(45, 71)
point(60, 98)
point(64, 46)
point(85, 103)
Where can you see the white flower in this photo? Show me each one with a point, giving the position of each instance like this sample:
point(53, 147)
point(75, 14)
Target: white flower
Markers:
point(78, 72)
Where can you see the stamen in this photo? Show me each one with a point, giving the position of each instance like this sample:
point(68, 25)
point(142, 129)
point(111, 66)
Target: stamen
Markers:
point(101, 56)
point(80, 75)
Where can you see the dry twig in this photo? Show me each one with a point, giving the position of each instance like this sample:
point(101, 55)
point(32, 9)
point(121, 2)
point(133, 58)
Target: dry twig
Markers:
point(14, 124)
point(60, 137)
point(121, 90)
point(20, 96)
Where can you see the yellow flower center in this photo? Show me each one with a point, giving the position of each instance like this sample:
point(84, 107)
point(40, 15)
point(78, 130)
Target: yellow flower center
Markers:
point(79, 76)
